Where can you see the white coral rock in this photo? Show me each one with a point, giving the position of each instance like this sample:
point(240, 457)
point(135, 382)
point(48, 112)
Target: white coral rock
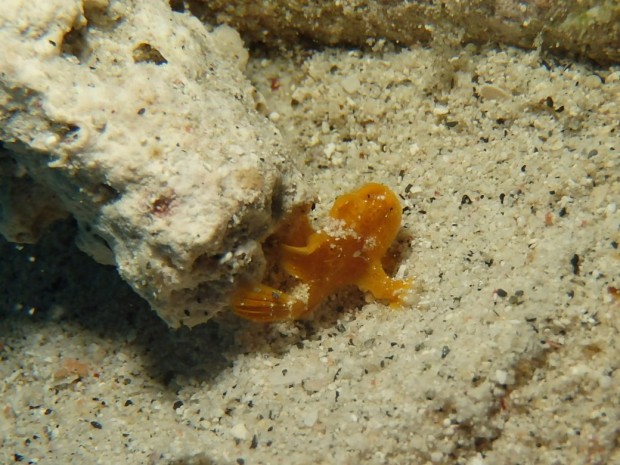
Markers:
point(140, 122)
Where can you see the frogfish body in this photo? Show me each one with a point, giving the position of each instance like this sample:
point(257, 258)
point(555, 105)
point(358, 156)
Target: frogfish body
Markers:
point(366, 223)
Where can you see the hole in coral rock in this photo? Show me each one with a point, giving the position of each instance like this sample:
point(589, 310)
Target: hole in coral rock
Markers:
point(277, 203)
point(95, 11)
point(104, 193)
point(206, 263)
point(69, 133)
point(74, 44)
point(145, 53)
point(178, 6)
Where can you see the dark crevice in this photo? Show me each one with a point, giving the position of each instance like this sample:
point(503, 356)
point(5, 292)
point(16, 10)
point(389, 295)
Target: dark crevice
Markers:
point(145, 53)
point(75, 44)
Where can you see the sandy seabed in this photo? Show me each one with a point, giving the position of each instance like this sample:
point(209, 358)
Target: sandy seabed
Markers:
point(508, 166)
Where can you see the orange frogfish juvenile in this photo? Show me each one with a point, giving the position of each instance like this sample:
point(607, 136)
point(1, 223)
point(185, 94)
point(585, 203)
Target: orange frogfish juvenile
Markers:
point(365, 224)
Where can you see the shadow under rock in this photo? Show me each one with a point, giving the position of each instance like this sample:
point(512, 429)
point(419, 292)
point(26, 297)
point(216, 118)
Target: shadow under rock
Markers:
point(52, 282)
point(64, 285)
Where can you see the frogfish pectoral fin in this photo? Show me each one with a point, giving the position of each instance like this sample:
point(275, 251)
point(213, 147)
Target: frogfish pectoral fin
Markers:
point(265, 304)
